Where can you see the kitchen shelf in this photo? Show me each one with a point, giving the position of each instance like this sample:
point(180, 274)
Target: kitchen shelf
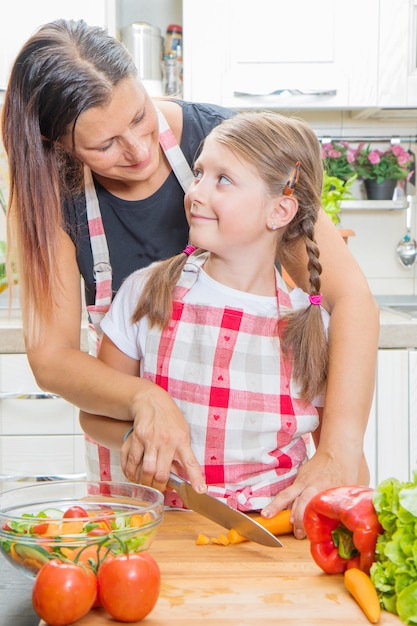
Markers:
point(374, 205)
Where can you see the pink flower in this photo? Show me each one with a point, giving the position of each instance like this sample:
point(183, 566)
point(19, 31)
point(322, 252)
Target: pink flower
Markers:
point(373, 157)
point(398, 150)
point(403, 158)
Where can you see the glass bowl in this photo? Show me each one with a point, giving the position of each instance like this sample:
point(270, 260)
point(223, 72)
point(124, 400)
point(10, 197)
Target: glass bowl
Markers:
point(42, 522)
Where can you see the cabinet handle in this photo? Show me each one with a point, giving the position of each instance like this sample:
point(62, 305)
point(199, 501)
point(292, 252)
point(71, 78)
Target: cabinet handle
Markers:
point(287, 92)
point(36, 395)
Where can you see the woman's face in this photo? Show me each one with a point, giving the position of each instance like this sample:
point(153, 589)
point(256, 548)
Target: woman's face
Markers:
point(120, 140)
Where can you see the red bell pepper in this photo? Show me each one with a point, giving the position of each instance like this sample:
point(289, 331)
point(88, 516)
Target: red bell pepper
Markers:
point(342, 526)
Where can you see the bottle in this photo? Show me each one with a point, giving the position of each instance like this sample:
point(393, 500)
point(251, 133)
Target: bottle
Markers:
point(180, 75)
point(171, 75)
point(173, 39)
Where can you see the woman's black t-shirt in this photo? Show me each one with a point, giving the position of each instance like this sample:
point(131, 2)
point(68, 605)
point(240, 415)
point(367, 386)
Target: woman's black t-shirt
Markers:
point(140, 232)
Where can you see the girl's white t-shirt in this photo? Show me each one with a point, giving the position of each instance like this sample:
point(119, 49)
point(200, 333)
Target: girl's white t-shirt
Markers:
point(131, 338)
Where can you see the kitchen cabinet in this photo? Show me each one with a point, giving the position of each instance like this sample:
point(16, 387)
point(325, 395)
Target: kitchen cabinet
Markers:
point(38, 437)
point(391, 437)
point(241, 46)
point(397, 53)
point(19, 20)
point(321, 55)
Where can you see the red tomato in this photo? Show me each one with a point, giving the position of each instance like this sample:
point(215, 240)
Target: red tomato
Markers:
point(75, 512)
point(129, 586)
point(40, 528)
point(63, 592)
point(106, 521)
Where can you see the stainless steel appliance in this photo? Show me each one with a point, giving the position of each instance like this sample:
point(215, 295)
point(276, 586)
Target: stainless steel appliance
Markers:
point(145, 43)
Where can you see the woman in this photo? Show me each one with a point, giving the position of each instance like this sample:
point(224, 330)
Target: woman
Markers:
point(74, 99)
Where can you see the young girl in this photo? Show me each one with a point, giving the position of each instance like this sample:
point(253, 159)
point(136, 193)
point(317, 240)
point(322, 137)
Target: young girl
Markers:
point(216, 326)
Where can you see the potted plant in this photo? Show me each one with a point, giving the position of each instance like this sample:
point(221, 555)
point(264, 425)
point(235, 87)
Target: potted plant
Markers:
point(334, 191)
point(338, 177)
point(380, 170)
point(338, 158)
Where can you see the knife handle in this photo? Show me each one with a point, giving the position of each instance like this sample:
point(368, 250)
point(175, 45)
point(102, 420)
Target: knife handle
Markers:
point(175, 481)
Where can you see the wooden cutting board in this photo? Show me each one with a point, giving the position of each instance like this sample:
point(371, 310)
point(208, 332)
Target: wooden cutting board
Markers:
point(241, 585)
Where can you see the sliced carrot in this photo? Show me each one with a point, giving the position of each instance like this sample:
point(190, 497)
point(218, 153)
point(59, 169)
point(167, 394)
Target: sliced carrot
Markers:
point(136, 520)
point(147, 518)
point(54, 529)
point(234, 537)
point(363, 590)
point(202, 540)
point(32, 564)
point(278, 525)
point(69, 553)
point(14, 554)
point(222, 539)
point(89, 555)
point(74, 527)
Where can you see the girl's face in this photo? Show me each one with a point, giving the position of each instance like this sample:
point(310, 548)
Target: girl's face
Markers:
point(119, 141)
point(229, 202)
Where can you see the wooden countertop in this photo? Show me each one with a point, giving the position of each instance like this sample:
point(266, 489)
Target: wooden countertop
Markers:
point(241, 585)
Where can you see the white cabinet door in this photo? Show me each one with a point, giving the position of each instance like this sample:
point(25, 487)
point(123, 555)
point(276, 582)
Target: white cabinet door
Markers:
point(412, 395)
point(38, 437)
point(241, 46)
point(370, 445)
point(34, 456)
point(19, 20)
point(397, 74)
point(31, 416)
point(392, 402)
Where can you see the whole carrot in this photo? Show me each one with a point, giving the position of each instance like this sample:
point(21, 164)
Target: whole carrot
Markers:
point(362, 589)
point(278, 525)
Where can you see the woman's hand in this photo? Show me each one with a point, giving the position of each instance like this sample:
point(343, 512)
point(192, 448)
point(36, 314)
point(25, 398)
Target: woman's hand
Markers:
point(321, 472)
point(160, 432)
point(160, 437)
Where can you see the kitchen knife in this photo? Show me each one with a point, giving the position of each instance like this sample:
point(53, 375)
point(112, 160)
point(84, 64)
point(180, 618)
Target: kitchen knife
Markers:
point(222, 513)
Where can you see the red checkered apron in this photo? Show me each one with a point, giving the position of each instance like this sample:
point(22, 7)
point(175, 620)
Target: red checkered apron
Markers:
point(100, 461)
point(227, 374)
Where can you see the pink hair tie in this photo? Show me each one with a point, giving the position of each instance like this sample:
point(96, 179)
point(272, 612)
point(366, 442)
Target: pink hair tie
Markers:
point(316, 299)
point(189, 249)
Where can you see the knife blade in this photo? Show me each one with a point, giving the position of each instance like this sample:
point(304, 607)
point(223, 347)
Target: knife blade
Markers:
point(221, 513)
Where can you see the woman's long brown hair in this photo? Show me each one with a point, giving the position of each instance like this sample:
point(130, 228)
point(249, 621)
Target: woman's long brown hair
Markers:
point(65, 68)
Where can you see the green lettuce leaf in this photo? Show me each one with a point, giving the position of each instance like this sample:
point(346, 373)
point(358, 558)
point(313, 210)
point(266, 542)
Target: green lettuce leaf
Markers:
point(394, 572)
point(407, 604)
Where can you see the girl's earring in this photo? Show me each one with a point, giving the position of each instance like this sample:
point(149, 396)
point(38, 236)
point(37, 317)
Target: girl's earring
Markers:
point(273, 226)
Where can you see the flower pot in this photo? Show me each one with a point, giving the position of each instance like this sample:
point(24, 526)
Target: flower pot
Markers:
point(380, 191)
point(346, 233)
